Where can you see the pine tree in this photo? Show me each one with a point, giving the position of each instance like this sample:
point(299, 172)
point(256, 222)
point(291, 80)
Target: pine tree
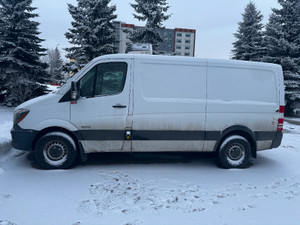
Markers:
point(92, 32)
point(55, 63)
point(21, 71)
point(248, 45)
point(282, 42)
point(154, 13)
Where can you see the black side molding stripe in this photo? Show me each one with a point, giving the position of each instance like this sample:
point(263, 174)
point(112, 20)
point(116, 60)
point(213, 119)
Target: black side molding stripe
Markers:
point(212, 135)
point(143, 135)
point(168, 135)
point(103, 135)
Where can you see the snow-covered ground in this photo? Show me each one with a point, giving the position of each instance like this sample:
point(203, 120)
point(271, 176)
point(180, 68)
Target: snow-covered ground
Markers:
point(147, 189)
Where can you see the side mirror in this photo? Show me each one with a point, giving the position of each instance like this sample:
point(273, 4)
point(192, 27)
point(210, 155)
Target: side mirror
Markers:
point(74, 93)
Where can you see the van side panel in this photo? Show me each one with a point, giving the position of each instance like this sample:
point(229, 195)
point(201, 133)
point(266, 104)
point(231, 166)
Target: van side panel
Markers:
point(169, 105)
point(244, 95)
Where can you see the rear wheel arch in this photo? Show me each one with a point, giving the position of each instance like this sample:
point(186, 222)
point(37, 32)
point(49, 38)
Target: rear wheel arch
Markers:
point(235, 152)
point(242, 131)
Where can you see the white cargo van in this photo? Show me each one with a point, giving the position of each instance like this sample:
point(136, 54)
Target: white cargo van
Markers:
point(140, 103)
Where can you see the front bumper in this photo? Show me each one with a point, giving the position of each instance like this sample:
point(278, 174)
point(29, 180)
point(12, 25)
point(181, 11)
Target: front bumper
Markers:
point(22, 139)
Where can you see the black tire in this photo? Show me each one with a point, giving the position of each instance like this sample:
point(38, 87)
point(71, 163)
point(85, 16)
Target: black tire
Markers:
point(55, 150)
point(235, 152)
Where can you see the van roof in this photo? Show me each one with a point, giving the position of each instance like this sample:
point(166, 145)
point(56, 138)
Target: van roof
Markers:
point(182, 59)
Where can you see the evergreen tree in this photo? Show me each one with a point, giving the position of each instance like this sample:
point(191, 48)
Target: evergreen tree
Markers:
point(282, 42)
point(92, 32)
point(21, 70)
point(154, 13)
point(248, 45)
point(55, 63)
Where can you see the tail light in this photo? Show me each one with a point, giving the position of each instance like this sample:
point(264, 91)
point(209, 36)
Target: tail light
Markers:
point(280, 124)
point(281, 109)
point(280, 120)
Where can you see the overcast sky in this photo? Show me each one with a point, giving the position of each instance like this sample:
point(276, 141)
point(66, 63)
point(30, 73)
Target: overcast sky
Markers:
point(215, 21)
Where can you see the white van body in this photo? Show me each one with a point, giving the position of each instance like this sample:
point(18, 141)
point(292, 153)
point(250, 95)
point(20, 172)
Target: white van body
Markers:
point(146, 103)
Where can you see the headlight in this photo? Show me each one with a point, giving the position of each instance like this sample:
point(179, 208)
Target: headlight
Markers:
point(19, 115)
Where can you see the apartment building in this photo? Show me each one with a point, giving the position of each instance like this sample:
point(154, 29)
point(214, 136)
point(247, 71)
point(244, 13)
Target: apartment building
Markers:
point(185, 42)
point(176, 41)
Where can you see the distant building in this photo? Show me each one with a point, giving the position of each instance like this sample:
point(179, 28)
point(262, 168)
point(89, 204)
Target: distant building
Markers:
point(185, 42)
point(176, 41)
point(122, 35)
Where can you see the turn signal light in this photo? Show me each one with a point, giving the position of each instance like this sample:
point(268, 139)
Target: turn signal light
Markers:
point(19, 115)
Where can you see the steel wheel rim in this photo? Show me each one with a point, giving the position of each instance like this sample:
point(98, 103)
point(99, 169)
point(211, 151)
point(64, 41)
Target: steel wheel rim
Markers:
point(236, 152)
point(55, 152)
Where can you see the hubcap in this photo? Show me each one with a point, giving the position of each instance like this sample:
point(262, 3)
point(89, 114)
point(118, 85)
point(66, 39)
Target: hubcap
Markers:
point(55, 150)
point(235, 152)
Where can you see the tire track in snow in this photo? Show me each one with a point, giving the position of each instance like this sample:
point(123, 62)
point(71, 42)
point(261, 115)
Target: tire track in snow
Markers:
point(119, 192)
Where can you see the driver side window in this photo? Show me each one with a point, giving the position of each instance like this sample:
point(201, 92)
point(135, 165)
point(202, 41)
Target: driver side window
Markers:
point(104, 79)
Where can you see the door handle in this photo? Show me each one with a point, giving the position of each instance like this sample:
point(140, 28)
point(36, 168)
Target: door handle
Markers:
point(119, 106)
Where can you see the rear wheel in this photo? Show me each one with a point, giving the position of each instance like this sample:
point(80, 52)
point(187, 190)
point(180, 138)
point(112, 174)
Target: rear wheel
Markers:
point(55, 150)
point(235, 152)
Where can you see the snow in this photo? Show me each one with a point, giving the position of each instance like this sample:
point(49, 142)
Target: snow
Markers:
point(227, 140)
point(6, 118)
point(147, 189)
point(293, 119)
point(52, 88)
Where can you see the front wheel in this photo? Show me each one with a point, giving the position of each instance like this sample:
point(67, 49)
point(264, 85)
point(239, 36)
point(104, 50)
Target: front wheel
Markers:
point(235, 152)
point(55, 150)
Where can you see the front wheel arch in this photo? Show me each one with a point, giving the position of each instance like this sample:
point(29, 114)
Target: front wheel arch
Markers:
point(55, 150)
point(74, 135)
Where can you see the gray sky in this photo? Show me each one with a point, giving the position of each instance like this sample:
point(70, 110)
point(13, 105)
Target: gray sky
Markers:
point(215, 21)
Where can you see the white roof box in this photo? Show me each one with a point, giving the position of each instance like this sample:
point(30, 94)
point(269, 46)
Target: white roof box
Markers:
point(139, 48)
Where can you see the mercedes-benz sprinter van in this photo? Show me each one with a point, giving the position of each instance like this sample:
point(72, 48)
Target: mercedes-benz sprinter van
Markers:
point(144, 103)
